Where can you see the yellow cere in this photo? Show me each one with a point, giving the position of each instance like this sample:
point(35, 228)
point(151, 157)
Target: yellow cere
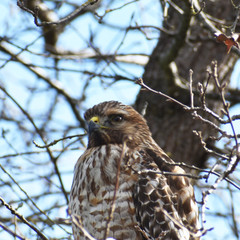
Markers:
point(95, 119)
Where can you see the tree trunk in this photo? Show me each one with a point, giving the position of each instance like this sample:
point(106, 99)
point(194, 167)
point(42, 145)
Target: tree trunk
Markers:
point(192, 46)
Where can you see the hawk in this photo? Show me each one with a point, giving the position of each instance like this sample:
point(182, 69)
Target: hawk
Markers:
point(125, 186)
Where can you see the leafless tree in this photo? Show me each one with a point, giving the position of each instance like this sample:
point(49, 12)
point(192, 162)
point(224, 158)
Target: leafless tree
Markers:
point(171, 59)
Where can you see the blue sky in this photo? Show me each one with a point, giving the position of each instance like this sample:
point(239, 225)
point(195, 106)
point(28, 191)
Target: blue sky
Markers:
point(18, 80)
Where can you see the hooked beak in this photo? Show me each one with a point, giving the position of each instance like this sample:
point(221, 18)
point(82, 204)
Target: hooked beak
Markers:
point(93, 124)
point(92, 127)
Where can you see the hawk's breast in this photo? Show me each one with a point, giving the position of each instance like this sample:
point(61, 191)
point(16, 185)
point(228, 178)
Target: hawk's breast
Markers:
point(93, 189)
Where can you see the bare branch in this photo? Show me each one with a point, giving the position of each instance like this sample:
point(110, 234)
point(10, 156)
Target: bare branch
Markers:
point(21, 217)
point(58, 140)
point(62, 21)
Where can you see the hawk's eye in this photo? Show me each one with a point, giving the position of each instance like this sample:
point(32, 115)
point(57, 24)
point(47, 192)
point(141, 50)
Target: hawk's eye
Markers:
point(116, 118)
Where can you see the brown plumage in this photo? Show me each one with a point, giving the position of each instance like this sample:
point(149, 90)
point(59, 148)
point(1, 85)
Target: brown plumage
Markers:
point(151, 202)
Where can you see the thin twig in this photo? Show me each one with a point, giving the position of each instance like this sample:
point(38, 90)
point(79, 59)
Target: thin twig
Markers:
point(53, 160)
point(14, 234)
point(77, 221)
point(141, 83)
point(233, 161)
point(53, 84)
point(63, 21)
point(28, 197)
point(187, 108)
point(180, 225)
point(191, 88)
point(58, 140)
point(23, 219)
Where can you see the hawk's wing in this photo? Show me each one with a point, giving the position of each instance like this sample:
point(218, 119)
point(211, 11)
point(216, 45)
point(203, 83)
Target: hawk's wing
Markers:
point(165, 204)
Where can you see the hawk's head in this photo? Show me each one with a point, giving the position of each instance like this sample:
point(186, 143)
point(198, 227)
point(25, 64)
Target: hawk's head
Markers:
point(114, 122)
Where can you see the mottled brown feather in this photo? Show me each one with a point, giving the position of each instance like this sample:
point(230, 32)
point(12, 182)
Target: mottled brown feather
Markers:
point(149, 204)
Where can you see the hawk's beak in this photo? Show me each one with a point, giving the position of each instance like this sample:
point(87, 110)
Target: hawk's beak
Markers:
point(93, 125)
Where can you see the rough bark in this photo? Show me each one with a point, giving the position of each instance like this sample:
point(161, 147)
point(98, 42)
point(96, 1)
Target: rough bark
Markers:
point(191, 47)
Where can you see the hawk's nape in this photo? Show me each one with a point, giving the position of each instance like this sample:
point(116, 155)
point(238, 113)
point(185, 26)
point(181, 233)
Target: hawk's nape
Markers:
point(124, 167)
